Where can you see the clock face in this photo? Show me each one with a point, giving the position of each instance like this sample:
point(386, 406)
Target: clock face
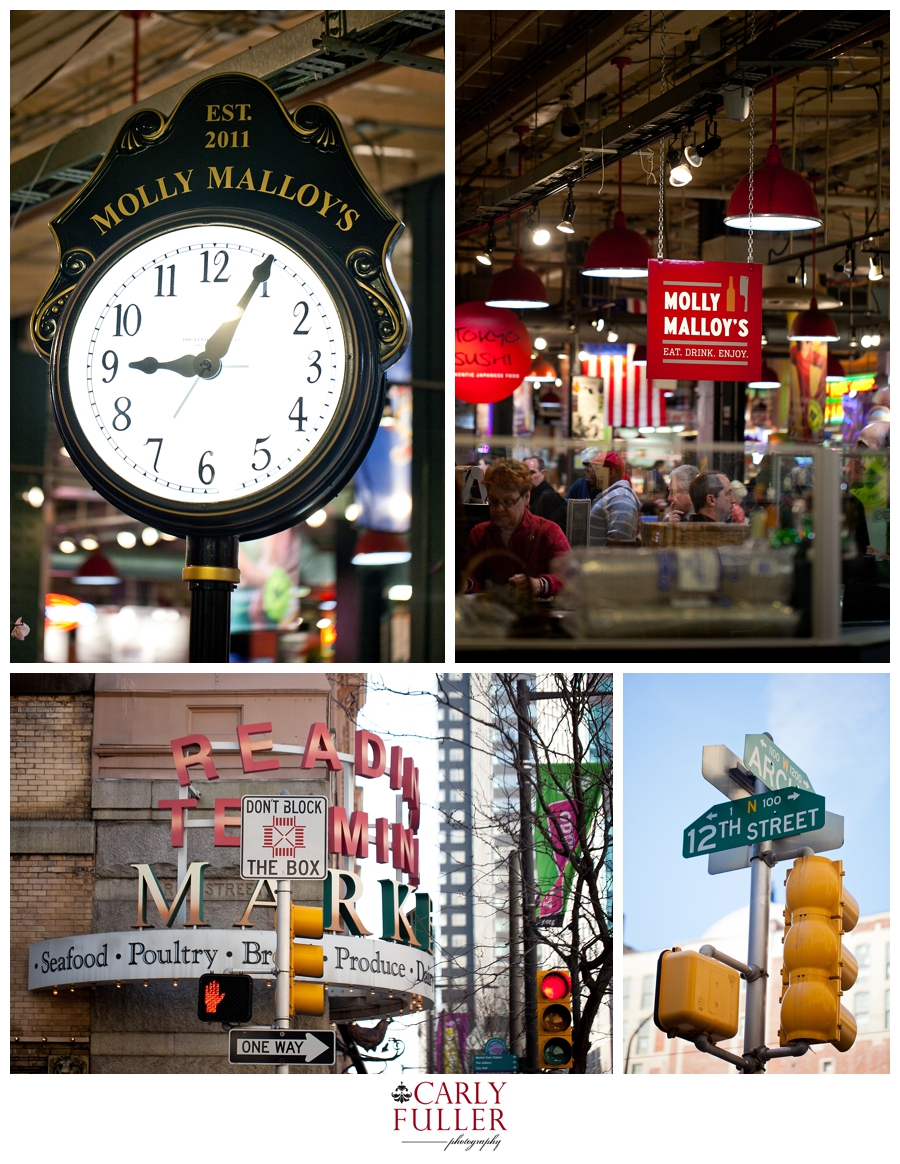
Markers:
point(206, 365)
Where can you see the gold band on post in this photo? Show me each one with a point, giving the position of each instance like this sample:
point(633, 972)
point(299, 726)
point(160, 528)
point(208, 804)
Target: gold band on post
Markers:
point(211, 574)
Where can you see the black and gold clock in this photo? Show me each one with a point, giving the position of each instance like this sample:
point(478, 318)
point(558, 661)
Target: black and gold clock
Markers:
point(223, 314)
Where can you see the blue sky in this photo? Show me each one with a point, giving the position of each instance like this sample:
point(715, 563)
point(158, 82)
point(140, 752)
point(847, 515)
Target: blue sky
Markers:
point(834, 726)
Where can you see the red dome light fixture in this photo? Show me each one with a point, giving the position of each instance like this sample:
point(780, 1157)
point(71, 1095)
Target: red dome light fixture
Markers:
point(517, 288)
point(814, 325)
point(640, 355)
point(618, 252)
point(768, 378)
point(782, 198)
point(835, 370)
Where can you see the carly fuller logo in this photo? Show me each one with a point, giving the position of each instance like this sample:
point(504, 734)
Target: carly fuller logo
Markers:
point(471, 1114)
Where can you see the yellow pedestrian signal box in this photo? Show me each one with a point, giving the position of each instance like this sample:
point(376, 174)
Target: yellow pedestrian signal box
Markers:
point(554, 1019)
point(696, 995)
point(817, 969)
point(307, 960)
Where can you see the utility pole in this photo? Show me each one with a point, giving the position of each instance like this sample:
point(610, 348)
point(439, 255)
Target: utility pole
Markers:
point(526, 853)
point(284, 972)
point(516, 1017)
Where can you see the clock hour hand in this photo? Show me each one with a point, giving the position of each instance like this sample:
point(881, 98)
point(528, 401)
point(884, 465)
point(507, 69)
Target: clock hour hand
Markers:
point(184, 366)
point(209, 360)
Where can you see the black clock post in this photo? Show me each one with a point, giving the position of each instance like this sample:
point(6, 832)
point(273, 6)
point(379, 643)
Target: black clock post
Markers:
point(211, 568)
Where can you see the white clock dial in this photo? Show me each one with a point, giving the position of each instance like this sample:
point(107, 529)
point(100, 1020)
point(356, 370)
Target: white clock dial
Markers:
point(206, 364)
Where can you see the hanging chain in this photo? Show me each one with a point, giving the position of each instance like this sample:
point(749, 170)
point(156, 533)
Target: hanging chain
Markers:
point(662, 144)
point(752, 162)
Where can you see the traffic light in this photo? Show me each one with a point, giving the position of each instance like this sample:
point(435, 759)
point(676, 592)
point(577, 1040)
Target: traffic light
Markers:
point(225, 998)
point(307, 997)
point(554, 1019)
point(696, 995)
point(817, 968)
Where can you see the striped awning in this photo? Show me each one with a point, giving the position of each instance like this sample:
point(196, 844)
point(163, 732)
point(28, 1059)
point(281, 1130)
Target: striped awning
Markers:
point(630, 399)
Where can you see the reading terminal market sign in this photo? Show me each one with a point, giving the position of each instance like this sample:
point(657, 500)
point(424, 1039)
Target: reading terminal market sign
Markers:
point(387, 973)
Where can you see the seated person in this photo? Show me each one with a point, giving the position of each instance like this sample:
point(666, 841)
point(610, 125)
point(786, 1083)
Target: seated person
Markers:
point(545, 501)
point(712, 497)
point(615, 515)
point(680, 505)
point(515, 548)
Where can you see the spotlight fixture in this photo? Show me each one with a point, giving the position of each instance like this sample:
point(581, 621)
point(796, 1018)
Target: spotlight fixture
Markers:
point(711, 141)
point(692, 156)
point(612, 337)
point(486, 257)
point(540, 343)
point(763, 340)
point(599, 324)
point(876, 268)
point(853, 342)
point(566, 225)
point(541, 236)
point(679, 172)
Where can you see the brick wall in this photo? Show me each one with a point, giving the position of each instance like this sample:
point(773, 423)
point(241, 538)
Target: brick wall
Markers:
point(50, 761)
point(59, 893)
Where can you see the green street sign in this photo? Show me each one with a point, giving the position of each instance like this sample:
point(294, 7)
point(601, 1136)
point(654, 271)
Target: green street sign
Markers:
point(767, 816)
point(768, 763)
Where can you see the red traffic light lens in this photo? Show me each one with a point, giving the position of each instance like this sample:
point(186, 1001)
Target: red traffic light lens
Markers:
point(556, 985)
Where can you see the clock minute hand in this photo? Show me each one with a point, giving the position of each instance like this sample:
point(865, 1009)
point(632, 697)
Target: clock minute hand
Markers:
point(220, 341)
point(184, 365)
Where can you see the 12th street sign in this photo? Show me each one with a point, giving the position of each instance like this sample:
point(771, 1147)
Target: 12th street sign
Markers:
point(764, 817)
point(254, 1045)
point(768, 763)
point(284, 837)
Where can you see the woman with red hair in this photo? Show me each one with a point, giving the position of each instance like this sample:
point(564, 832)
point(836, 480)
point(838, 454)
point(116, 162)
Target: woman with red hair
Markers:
point(515, 548)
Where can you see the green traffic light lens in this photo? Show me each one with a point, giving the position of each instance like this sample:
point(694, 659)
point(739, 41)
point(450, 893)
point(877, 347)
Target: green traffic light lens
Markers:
point(557, 1052)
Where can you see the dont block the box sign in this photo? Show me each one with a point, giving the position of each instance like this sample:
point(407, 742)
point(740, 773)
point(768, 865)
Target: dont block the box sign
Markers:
point(704, 320)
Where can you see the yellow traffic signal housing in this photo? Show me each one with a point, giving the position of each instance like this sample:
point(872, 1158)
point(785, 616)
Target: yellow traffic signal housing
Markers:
point(696, 995)
point(554, 1019)
point(817, 968)
point(309, 961)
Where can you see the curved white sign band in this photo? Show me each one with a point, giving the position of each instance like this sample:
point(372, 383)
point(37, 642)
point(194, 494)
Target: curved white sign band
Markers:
point(145, 955)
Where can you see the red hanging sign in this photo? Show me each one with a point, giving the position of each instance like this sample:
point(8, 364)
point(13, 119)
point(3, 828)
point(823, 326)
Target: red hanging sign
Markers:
point(704, 320)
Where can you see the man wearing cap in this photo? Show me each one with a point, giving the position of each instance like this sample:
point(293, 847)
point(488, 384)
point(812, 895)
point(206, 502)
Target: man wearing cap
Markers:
point(616, 512)
point(588, 485)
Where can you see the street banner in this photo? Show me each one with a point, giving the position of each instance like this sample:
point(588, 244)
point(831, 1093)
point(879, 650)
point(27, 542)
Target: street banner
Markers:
point(704, 320)
point(556, 833)
point(451, 1038)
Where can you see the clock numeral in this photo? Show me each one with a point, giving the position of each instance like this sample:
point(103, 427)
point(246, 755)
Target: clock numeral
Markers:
point(122, 318)
point(314, 358)
point(204, 468)
point(159, 281)
point(223, 255)
point(300, 324)
point(257, 449)
point(122, 414)
point(296, 413)
point(114, 367)
point(158, 441)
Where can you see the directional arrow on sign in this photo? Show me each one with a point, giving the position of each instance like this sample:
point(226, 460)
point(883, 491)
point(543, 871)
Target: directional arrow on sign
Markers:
point(765, 816)
point(258, 1045)
point(311, 1047)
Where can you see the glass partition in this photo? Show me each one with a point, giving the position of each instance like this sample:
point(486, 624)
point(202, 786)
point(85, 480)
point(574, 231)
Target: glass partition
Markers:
point(751, 542)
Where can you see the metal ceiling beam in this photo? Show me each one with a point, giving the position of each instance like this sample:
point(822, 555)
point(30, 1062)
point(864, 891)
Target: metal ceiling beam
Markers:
point(473, 116)
point(814, 33)
point(274, 61)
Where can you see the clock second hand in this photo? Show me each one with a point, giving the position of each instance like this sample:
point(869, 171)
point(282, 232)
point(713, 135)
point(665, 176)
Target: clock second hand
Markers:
point(189, 391)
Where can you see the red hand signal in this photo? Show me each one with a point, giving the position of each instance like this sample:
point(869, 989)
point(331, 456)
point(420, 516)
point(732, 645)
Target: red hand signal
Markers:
point(212, 996)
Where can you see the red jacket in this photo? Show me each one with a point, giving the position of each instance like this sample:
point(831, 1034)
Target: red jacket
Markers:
point(535, 542)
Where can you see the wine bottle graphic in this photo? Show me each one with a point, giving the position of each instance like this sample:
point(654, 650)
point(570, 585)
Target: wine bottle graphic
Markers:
point(729, 294)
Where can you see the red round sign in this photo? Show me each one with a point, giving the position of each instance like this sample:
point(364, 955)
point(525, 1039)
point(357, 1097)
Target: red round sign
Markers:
point(493, 352)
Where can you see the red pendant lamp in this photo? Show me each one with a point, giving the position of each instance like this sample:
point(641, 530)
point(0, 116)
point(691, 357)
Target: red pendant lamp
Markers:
point(835, 370)
point(768, 378)
point(518, 288)
point(814, 325)
point(782, 198)
point(640, 355)
point(618, 252)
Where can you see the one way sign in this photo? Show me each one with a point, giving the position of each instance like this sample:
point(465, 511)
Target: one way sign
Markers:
point(249, 1045)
